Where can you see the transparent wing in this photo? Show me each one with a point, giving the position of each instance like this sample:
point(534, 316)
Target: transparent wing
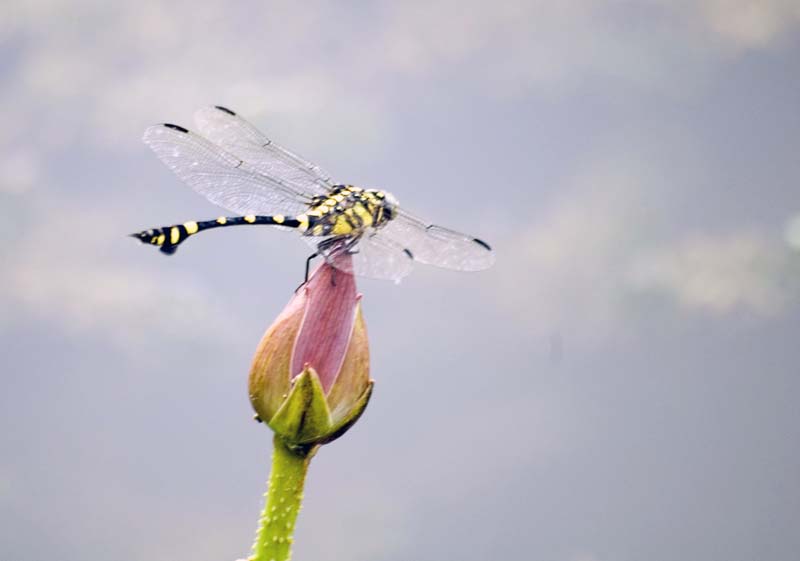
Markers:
point(435, 245)
point(221, 177)
point(376, 257)
point(224, 127)
point(370, 256)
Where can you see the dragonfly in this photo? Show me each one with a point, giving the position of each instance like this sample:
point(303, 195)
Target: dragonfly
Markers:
point(360, 231)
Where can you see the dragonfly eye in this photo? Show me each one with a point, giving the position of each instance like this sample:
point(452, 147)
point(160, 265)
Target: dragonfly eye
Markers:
point(390, 205)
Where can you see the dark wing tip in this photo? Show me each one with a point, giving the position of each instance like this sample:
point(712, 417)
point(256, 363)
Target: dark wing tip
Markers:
point(482, 244)
point(176, 127)
point(408, 252)
point(225, 109)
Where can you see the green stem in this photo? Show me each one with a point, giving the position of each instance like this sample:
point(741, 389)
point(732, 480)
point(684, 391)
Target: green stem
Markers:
point(283, 498)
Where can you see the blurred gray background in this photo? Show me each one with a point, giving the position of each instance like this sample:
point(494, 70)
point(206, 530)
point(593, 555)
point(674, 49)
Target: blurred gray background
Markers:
point(622, 385)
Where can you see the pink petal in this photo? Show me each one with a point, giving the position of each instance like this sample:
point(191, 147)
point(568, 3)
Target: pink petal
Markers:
point(328, 323)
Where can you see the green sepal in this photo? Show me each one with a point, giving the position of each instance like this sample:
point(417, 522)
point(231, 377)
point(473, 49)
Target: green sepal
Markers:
point(304, 417)
point(344, 424)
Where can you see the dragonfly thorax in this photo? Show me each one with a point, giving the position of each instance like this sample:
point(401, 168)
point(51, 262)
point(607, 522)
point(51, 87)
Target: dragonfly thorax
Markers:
point(349, 211)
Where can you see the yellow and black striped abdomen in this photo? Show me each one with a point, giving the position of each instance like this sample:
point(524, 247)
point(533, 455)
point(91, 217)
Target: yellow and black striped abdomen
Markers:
point(167, 238)
point(346, 211)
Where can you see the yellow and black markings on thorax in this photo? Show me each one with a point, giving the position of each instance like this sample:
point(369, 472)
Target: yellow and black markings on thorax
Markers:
point(345, 212)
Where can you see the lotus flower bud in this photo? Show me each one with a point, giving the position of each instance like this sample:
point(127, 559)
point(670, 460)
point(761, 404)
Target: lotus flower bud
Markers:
point(310, 376)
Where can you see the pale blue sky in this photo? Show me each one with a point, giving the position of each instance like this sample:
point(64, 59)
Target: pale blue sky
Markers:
point(622, 385)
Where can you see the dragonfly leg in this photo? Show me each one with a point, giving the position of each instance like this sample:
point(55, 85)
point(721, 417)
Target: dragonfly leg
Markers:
point(308, 268)
point(326, 248)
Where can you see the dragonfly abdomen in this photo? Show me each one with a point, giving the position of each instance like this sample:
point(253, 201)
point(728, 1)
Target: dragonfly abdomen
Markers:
point(167, 238)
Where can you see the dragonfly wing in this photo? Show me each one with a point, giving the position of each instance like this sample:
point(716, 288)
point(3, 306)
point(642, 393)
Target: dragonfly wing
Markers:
point(221, 177)
point(438, 246)
point(371, 256)
point(377, 257)
point(239, 137)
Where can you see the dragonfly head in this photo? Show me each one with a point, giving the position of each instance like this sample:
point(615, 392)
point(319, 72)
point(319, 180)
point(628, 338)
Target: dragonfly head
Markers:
point(390, 204)
point(385, 205)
